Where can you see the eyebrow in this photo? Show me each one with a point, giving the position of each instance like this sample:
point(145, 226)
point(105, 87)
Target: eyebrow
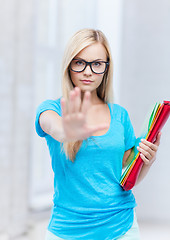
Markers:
point(78, 58)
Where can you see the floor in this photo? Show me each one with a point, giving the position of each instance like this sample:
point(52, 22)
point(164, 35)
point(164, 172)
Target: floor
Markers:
point(148, 231)
point(155, 231)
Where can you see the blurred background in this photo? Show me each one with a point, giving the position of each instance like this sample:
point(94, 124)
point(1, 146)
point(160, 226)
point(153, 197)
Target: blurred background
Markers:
point(33, 36)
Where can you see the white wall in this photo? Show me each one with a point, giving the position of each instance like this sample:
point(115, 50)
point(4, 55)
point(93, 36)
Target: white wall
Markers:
point(145, 79)
point(15, 100)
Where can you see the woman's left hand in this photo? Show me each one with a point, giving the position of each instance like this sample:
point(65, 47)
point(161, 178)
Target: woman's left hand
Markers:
point(148, 150)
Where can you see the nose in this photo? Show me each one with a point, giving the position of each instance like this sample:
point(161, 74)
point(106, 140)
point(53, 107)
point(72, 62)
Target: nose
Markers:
point(87, 70)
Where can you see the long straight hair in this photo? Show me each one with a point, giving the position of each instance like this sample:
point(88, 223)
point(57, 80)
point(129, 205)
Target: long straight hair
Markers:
point(77, 43)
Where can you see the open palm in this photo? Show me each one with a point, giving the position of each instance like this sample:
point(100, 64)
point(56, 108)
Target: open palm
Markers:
point(74, 117)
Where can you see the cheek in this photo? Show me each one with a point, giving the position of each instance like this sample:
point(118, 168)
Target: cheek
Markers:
point(99, 80)
point(74, 77)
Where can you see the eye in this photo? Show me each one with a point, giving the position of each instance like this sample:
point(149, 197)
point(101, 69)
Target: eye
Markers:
point(97, 64)
point(79, 62)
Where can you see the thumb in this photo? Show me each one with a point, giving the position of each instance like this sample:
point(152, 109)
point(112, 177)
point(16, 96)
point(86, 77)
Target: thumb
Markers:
point(158, 138)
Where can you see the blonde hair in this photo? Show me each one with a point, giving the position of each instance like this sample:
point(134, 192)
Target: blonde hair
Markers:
point(77, 43)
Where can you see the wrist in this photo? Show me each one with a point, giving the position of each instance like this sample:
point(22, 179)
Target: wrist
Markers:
point(58, 134)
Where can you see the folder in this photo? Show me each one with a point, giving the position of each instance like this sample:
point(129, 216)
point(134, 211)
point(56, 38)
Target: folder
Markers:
point(157, 120)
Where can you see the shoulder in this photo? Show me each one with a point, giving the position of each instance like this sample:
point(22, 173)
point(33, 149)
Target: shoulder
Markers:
point(55, 102)
point(120, 108)
point(119, 112)
point(50, 104)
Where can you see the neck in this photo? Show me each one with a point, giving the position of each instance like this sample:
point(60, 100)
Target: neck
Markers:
point(94, 98)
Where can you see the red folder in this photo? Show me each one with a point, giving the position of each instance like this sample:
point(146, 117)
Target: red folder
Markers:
point(128, 180)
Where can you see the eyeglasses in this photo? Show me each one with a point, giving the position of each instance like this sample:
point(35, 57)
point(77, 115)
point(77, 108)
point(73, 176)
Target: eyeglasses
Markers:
point(79, 65)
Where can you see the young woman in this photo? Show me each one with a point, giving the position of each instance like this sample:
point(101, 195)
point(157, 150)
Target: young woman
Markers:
point(89, 141)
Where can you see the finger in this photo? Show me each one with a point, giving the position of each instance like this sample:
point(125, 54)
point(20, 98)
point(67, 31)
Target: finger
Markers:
point(71, 104)
point(77, 99)
point(150, 145)
point(63, 107)
point(146, 161)
point(86, 102)
point(148, 154)
point(158, 138)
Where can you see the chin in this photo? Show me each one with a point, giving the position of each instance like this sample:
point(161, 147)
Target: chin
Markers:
point(86, 88)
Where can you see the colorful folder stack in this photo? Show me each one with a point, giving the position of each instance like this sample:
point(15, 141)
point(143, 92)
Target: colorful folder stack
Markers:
point(158, 117)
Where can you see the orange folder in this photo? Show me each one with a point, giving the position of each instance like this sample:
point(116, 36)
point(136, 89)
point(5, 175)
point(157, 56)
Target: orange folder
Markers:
point(158, 118)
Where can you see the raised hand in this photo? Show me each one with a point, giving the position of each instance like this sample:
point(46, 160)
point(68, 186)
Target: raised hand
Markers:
point(74, 117)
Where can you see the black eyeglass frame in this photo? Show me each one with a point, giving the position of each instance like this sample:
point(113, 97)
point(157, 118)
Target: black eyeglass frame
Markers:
point(89, 64)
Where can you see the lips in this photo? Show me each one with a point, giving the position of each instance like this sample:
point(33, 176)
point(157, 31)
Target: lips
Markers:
point(86, 81)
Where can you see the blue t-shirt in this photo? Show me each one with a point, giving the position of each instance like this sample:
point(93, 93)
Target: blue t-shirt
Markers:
point(89, 202)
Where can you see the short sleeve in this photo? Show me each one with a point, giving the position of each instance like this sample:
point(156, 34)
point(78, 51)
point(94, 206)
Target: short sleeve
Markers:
point(53, 105)
point(129, 134)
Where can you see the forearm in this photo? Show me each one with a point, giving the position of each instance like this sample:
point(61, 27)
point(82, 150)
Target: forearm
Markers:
point(143, 173)
point(51, 123)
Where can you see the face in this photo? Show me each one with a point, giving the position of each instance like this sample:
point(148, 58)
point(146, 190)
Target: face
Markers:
point(88, 80)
